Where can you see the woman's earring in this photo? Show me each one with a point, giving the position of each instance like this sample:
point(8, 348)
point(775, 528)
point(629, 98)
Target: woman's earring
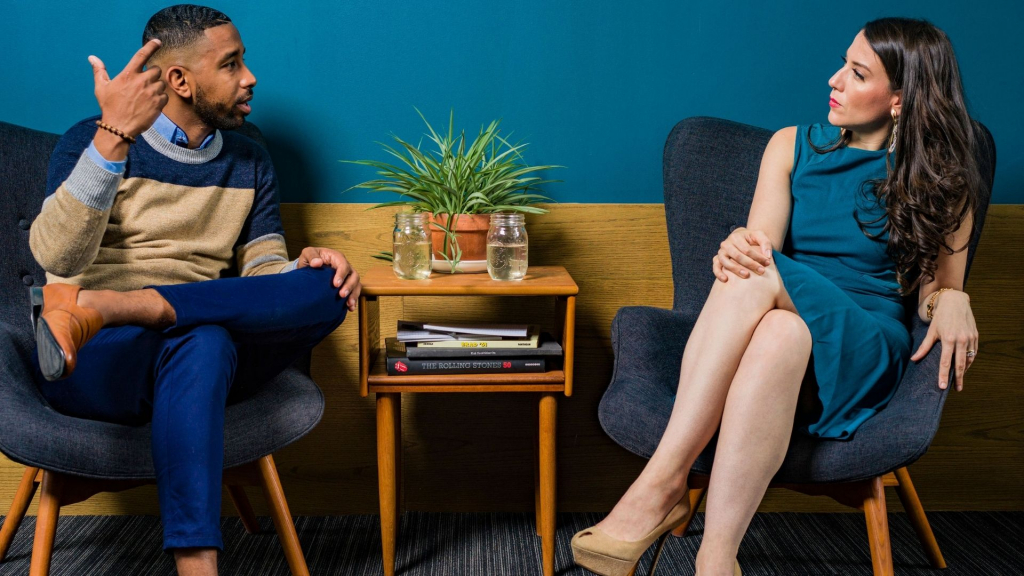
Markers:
point(895, 130)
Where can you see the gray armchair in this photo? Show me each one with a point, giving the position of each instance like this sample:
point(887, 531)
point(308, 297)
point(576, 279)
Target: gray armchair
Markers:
point(73, 458)
point(710, 171)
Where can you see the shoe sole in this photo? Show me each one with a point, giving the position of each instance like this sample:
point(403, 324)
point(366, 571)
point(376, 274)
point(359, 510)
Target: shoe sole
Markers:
point(52, 362)
point(603, 565)
point(610, 566)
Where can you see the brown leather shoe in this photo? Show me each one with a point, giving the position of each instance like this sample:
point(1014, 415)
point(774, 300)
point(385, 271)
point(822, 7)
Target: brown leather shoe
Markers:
point(62, 328)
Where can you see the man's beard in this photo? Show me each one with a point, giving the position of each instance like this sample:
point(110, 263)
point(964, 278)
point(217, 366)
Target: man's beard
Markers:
point(217, 114)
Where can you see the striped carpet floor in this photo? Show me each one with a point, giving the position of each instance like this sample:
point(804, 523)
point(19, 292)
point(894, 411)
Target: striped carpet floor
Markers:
point(432, 544)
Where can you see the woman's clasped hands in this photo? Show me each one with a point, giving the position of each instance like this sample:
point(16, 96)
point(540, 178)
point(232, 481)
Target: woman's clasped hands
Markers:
point(742, 253)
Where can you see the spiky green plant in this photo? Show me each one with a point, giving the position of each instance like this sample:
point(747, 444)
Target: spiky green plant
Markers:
point(482, 177)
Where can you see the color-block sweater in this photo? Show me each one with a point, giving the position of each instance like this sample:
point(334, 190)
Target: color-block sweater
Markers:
point(174, 216)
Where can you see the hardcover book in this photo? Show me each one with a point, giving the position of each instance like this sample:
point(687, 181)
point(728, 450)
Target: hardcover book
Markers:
point(547, 347)
point(408, 367)
point(399, 364)
point(532, 340)
point(420, 332)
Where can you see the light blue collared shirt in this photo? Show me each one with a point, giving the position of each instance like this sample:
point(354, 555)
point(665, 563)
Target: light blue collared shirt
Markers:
point(170, 131)
point(165, 127)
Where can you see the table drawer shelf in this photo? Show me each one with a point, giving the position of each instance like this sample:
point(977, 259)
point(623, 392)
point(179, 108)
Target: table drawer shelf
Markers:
point(380, 381)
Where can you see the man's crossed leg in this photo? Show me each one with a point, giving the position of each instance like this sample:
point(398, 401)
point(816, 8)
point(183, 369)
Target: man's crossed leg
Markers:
point(199, 344)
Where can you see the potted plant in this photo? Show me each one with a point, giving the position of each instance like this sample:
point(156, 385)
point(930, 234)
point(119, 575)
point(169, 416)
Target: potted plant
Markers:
point(461, 184)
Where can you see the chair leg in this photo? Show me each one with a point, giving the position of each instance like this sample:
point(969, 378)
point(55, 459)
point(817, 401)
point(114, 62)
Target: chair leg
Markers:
point(244, 507)
point(46, 523)
point(912, 504)
point(399, 478)
point(282, 516)
point(22, 498)
point(538, 511)
point(696, 497)
point(878, 528)
point(548, 436)
point(388, 413)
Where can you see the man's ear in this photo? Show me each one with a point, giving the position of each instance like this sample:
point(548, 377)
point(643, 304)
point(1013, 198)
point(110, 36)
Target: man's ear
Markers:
point(897, 102)
point(178, 82)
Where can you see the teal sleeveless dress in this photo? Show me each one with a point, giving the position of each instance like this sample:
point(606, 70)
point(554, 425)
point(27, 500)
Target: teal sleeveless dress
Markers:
point(843, 284)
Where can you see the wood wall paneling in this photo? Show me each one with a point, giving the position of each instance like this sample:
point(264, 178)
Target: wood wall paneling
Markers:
point(462, 451)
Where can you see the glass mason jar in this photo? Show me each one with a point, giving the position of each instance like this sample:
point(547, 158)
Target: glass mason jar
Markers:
point(507, 246)
point(412, 245)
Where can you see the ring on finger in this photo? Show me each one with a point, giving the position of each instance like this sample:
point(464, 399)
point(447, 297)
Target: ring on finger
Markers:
point(972, 353)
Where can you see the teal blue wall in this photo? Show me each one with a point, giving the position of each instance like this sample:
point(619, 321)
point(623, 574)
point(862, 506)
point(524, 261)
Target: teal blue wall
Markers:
point(593, 85)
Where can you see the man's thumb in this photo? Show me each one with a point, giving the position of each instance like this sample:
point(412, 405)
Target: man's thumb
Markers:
point(99, 70)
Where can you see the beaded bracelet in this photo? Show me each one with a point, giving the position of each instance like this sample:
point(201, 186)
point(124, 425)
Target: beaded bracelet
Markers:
point(116, 132)
point(931, 301)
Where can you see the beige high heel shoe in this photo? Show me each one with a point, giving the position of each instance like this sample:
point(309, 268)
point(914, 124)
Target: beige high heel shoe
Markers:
point(604, 555)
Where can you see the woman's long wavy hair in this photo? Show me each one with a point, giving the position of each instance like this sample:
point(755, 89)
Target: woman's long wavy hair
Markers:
point(933, 179)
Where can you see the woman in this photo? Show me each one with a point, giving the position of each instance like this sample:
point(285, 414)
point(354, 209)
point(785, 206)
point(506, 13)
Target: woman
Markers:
point(876, 205)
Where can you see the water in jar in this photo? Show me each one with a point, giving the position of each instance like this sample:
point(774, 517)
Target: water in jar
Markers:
point(412, 260)
point(507, 261)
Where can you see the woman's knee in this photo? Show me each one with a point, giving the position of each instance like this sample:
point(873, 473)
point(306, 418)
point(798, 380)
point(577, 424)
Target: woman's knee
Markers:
point(784, 330)
point(760, 289)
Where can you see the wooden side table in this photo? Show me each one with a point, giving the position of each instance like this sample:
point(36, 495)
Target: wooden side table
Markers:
point(551, 281)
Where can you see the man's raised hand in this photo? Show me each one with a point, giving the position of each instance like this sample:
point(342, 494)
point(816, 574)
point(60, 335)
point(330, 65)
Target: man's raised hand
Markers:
point(133, 99)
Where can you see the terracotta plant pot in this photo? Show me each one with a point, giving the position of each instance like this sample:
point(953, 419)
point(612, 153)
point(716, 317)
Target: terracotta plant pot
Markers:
point(471, 231)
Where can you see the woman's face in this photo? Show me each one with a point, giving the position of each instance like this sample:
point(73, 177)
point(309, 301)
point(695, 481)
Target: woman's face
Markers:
point(861, 98)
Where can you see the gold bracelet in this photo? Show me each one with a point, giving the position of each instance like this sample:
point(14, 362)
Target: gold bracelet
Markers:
point(116, 132)
point(931, 301)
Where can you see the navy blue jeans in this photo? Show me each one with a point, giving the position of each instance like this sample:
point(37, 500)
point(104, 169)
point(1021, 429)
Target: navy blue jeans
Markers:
point(231, 335)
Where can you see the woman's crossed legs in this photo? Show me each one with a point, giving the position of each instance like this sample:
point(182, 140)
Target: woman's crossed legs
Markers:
point(741, 372)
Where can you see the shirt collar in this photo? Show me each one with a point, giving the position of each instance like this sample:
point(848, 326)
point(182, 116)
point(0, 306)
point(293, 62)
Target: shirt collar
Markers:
point(170, 131)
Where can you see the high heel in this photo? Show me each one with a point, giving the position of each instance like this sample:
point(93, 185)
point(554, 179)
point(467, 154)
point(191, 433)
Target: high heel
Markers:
point(604, 555)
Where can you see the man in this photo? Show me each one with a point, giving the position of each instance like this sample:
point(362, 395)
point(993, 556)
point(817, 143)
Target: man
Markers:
point(149, 212)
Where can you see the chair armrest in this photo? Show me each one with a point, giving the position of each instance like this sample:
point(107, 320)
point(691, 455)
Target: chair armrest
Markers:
point(17, 385)
point(20, 400)
point(650, 341)
point(911, 419)
point(921, 379)
point(648, 344)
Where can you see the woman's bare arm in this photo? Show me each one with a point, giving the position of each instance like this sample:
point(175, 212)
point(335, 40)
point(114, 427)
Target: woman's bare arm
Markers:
point(747, 250)
point(769, 212)
point(952, 321)
point(949, 268)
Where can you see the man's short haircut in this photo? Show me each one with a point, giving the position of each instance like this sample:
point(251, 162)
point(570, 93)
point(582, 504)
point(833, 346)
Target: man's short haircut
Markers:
point(181, 26)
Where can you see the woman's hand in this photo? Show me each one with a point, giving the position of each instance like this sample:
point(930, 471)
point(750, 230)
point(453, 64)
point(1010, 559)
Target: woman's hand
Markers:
point(953, 325)
point(743, 252)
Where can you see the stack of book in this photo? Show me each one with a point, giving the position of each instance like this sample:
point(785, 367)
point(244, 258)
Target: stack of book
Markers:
point(470, 349)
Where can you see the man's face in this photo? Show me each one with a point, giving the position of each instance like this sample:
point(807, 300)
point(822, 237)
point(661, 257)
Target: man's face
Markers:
point(223, 83)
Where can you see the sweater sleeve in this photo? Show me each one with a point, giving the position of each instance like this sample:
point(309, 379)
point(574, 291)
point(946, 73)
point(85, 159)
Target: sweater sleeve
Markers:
point(65, 237)
point(261, 247)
